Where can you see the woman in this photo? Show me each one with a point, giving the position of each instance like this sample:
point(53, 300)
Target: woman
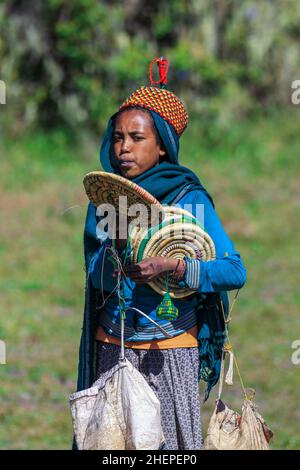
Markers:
point(142, 144)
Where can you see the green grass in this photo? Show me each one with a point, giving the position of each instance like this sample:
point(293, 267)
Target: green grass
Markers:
point(250, 169)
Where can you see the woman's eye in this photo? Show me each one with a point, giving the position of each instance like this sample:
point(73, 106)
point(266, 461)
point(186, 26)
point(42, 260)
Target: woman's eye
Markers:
point(117, 138)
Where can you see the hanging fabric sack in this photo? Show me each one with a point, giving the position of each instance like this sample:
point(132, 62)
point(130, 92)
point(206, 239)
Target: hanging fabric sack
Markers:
point(120, 413)
point(229, 430)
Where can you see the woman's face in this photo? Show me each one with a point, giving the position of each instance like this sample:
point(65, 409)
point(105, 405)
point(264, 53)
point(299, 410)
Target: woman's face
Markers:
point(135, 143)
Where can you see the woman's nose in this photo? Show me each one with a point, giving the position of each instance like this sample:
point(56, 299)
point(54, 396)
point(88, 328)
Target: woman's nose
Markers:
point(125, 146)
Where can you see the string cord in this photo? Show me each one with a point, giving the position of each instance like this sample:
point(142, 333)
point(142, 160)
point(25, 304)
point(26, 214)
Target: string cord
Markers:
point(120, 289)
point(72, 207)
point(228, 346)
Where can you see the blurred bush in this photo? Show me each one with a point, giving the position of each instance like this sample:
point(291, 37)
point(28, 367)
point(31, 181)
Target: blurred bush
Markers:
point(72, 64)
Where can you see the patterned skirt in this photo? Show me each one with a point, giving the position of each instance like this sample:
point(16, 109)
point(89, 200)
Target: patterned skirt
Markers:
point(173, 376)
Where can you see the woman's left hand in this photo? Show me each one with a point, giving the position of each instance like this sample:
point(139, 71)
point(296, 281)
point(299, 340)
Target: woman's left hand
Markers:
point(149, 268)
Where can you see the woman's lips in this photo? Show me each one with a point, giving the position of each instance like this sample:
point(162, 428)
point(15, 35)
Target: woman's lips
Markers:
point(127, 164)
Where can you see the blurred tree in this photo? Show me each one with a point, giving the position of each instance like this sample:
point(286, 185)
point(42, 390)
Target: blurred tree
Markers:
point(73, 63)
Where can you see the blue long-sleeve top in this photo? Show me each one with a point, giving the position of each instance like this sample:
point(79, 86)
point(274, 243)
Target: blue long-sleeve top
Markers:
point(227, 272)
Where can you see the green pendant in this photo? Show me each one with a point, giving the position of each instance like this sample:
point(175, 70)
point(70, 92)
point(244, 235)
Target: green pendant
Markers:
point(166, 310)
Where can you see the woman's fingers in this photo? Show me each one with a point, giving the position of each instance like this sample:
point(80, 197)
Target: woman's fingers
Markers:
point(144, 271)
point(132, 268)
point(132, 273)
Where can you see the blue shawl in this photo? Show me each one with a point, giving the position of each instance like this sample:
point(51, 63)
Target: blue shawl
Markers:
point(168, 182)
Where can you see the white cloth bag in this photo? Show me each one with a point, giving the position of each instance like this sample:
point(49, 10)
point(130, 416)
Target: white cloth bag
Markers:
point(120, 412)
point(228, 430)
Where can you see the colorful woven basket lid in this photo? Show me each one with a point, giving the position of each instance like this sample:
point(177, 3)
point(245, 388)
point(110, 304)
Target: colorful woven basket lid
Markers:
point(162, 101)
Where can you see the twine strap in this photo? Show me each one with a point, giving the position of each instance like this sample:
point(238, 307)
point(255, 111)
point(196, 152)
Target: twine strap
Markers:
point(228, 348)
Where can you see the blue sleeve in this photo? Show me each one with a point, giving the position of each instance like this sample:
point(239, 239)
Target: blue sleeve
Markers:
point(95, 267)
point(227, 271)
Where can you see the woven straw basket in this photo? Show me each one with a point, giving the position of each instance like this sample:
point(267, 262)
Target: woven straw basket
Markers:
point(176, 234)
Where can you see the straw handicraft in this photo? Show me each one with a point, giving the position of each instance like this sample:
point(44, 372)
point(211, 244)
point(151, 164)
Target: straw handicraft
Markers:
point(179, 234)
point(106, 188)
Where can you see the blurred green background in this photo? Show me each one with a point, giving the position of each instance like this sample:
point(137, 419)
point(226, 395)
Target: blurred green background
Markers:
point(67, 66)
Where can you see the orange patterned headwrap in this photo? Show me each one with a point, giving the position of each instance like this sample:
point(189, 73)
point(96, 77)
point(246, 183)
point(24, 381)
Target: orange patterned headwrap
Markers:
point(160, 100)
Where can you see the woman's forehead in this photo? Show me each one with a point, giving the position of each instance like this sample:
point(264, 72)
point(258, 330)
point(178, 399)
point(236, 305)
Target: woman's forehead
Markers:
point(133, 118)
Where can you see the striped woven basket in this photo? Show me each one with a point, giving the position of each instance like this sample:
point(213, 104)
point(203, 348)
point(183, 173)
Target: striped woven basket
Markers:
point(178, 235)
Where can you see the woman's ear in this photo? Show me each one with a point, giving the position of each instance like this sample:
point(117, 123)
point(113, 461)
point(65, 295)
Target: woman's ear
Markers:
point(162, 155)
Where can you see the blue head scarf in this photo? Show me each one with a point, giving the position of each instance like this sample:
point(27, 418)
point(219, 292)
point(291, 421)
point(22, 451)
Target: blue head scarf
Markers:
point(164, 181)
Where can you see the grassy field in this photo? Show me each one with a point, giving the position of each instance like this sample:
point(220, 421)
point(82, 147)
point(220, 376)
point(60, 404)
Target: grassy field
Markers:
point(251, 170)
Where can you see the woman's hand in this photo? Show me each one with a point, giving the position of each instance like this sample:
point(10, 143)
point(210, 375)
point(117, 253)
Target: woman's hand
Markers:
point(149, 268)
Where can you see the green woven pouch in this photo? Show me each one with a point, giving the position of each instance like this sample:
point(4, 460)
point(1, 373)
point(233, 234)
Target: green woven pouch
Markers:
point(166, 310)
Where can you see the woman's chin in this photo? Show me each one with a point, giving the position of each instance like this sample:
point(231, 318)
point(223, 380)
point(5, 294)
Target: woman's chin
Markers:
point(130, 172)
